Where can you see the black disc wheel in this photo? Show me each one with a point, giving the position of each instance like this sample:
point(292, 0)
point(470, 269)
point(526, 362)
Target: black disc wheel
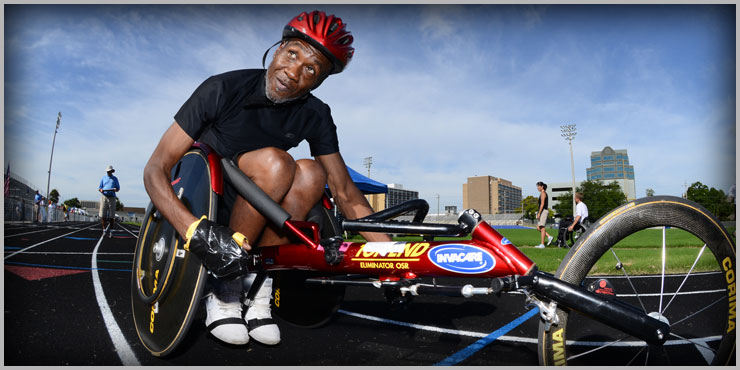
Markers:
point(166, 280)
point(670, 258)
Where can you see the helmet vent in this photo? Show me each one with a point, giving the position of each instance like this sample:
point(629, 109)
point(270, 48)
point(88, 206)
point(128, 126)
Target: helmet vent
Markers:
point(316, 17)
point(333, 27)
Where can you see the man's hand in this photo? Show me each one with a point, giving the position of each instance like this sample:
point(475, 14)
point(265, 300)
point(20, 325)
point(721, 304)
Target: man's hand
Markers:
point(570, 228)
point(219, 248)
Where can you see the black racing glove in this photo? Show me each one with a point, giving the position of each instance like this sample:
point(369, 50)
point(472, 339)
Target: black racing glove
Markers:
point(218, 247)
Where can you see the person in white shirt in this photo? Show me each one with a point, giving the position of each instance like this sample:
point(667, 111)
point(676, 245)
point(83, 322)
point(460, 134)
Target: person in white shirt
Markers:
point(581, 213)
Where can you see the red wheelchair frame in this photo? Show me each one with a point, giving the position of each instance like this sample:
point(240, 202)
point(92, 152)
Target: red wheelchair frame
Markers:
point(319, 264)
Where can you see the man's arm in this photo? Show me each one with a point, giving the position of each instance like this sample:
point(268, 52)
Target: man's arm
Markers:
point(348, 197)
point(575, 222)
point(172, 146)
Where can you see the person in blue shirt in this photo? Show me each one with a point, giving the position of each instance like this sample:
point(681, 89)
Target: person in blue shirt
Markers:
point(108, 188)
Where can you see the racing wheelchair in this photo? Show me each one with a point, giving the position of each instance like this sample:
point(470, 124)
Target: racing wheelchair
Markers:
point(593, 304)
point(566, 238)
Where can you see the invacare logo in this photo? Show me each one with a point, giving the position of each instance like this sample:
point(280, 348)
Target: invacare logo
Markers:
point(462, 258)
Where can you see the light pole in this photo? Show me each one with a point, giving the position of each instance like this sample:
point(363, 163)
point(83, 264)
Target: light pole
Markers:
point(48, 179)
point(437, 204)
point(569, 132)
point(368, 163)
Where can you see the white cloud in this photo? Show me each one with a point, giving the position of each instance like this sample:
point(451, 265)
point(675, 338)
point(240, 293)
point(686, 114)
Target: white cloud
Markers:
point(453, 92)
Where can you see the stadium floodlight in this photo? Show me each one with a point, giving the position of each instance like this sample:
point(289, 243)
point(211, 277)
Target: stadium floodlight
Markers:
point(48, 178)
point(569, 132)
point(368, 163)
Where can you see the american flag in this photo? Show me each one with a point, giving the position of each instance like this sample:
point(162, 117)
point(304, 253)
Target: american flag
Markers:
point(7, 181)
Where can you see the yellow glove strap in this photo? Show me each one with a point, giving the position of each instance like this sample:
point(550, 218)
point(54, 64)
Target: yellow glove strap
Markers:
point(238, 237)
point(191, 230)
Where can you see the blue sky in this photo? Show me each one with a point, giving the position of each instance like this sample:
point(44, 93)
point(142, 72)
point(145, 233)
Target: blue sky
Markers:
point(435, 93)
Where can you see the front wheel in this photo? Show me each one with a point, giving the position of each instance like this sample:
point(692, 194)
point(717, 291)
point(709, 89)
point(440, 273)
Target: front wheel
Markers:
point(694, 289)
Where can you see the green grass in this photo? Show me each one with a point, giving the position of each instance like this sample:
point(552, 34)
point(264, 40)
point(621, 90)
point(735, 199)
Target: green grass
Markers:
point(640, 253)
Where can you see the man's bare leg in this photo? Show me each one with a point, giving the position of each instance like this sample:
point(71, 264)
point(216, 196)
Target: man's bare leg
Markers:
point(296, 186)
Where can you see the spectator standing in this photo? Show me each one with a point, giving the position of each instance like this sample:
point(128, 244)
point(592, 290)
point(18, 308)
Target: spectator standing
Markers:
point(42, 209)
point(36, 206)
point(542, 212)
point(108, 187)
point(51, 211)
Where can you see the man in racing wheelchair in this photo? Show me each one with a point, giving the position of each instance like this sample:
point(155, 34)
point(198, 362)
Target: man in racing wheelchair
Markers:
point(578, 225)
point(253, 117)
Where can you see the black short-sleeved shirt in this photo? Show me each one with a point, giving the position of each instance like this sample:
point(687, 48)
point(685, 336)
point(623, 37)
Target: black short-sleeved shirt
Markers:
point(231, 113)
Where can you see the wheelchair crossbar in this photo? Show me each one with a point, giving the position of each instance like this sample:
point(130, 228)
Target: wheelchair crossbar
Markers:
point(254, 195)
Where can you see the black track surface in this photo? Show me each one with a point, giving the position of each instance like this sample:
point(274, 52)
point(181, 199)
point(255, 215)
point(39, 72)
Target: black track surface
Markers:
point(57, 320)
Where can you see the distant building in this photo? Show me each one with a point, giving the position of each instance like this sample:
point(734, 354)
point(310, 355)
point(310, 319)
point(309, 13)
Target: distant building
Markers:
point(491, 195)
point(610, 165)
point(452, 210)
point(90, 205)
point(396, 195)
point(557, 191)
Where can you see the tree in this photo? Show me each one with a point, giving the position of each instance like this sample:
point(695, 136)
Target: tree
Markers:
point(649, 192)
point(599, 198)
point(712, 199)
point(74, 202)
point(530, 207)
point(54, 196)
point(564, 205)
point(119, 205)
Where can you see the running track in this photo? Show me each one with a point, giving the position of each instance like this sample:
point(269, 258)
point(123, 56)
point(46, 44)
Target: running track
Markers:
point(67, 303)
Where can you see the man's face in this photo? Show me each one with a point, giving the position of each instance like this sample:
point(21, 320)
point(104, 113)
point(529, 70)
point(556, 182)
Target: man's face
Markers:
point(295, 69)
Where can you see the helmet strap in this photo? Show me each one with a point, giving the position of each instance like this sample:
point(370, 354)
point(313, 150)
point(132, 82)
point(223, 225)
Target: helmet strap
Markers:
point(264, 57)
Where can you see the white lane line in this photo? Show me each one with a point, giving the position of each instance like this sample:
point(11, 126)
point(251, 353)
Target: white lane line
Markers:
point(507, 338)
point(127, 356)
point(46, 241)
point(80, 253)
point(679, 293)
point(129, 231)
point(30, 232)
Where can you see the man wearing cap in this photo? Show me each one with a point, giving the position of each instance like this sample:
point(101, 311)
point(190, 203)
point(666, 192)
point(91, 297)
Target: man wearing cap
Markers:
point(254, 116)
point(108, 188)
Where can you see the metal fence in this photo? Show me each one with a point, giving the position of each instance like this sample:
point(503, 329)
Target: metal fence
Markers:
point(21, 210)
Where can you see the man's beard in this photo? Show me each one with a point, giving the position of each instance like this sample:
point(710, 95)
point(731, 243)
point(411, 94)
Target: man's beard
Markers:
point(268, 93)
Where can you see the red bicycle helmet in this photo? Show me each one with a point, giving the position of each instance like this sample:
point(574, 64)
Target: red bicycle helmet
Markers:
point(326, 33)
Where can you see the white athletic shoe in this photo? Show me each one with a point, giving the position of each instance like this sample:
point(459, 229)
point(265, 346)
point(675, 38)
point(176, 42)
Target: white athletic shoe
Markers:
point(549, 239)
point(224, 313)
point(541, 246)
point(262, 327)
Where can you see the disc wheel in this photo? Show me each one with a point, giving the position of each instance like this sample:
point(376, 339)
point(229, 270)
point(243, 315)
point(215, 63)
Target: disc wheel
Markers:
point(167, 281)
point(308, 305)
point(693, 291)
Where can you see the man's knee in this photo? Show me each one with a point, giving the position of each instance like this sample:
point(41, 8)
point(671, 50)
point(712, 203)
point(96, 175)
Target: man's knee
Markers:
point(268, 164)
point(311, 174)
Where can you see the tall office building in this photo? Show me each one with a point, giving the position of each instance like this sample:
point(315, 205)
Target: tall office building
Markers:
point(396, 195)
point(491, 195)
point(610, 165)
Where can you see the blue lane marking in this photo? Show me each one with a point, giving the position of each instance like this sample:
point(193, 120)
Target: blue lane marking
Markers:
point(80, 238)
point(11, 248)
point(63, 267)
point(480, 343)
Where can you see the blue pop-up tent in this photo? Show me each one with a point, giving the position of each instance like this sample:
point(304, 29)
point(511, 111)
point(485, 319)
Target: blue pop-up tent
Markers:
point(366, 184)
